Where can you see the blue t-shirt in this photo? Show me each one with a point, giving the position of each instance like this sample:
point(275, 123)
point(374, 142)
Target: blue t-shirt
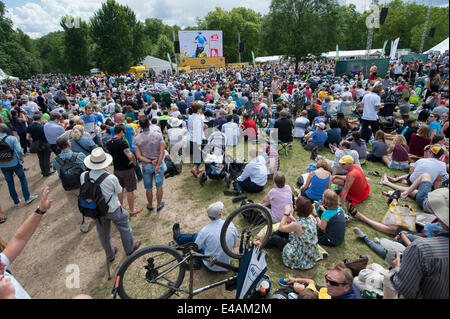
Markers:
point(435, 125)
point(319, 137)
point(89, 122)
point(379, 149)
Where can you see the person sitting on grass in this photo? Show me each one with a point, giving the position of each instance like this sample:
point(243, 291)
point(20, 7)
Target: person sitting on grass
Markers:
point(278, 197)
point(344, 149)
point(356, 188)
point(400, 151)
point(418, 142)
point(330, 220)
point(316, 138)
point(333, 136)
point(317, 182)
point(339, 281)
point(379, 149)
point(359, 145)
point(208, 239)
point(297, 238)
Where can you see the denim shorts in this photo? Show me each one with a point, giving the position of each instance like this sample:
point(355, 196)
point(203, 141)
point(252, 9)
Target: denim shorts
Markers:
point(398, 165)
point(148, 171)
point(422, 193)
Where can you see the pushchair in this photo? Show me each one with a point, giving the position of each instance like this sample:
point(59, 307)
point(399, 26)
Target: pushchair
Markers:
point(219, 165)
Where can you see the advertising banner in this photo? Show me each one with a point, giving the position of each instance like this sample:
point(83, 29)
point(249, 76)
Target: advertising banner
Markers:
point(200, 44)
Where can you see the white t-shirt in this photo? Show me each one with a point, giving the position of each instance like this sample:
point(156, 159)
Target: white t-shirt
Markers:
point(19, 292)
point(110, 188)
point(300, 125)
point(432, 166)
point(370, 102)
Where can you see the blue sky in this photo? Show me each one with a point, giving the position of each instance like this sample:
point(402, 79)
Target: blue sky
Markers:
point(39, 17)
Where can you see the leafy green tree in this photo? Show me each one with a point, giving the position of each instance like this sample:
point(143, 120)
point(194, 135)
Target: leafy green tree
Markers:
point(51, 51)
point(18, 56)
point(301, 28)
point(76, 44)
point(162, 47)
point(116, 33)
point(243, 20)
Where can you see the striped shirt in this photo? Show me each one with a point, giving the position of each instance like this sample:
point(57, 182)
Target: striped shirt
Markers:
point(423, 273)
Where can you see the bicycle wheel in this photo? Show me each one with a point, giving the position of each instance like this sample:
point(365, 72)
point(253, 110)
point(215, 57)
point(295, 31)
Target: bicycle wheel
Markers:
point(249, 220)
point(143, 274)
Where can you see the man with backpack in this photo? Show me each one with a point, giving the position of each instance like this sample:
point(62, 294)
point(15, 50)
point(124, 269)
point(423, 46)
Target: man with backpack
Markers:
point(11, 159)
point(69, 166)
point(99, 200)
point(124, 162)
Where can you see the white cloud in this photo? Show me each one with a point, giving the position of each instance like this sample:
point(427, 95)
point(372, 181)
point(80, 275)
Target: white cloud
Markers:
point(42, 16)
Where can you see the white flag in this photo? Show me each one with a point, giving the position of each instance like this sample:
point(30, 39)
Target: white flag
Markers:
point(394, 45)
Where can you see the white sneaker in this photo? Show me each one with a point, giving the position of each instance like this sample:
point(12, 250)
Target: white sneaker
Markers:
point(32, 198)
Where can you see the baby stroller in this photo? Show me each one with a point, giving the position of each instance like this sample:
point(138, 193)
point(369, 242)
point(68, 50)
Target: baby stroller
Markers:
point(219, 165)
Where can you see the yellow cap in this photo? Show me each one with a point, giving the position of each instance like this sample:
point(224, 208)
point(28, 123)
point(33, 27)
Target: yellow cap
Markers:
point(346, 159)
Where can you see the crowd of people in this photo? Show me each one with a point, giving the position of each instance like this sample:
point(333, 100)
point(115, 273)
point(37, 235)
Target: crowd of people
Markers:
point(80, 125)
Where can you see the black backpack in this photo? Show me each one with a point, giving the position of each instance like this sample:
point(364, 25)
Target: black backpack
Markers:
point(70, 173)
point(91, 201)
point(6, 152)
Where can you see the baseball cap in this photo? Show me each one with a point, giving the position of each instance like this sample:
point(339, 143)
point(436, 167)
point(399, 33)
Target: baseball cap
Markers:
point(215, 209)
point(322, 125)
point(436, 150)
point(438, 200)
point(346, 159)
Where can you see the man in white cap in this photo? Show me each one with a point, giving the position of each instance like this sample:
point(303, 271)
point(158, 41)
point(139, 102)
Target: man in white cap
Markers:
point(316, 138)
point(97, 162)
point(208, 239)
point(422, 270)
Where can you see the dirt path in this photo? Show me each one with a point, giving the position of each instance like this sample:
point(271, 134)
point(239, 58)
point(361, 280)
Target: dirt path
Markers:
point(57, 244)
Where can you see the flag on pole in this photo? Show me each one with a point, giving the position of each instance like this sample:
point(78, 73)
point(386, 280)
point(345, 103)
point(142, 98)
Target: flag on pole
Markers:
point(384, 49)
point(253, 56)
point(337, 52)
point(170, 60)
point(394, 46)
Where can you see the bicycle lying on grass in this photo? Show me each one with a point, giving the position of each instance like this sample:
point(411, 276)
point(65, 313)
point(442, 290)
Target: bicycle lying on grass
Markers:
point(158, 271)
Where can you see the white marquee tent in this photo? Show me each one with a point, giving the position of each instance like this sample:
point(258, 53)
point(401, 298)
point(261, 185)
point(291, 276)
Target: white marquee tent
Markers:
point(158, 65)
point(264, 59)
point(4, 76)
point(441, 47)
point(351, 54)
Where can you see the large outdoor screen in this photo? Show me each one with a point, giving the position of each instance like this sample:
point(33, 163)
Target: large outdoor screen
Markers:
point(200, 44)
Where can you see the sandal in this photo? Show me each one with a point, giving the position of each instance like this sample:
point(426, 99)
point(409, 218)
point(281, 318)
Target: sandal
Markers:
point(3, 219)
point(136, 211)
point(395, 195)
point(352, 211)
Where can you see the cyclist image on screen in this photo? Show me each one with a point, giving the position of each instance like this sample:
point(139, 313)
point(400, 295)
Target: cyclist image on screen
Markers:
point(201, 40)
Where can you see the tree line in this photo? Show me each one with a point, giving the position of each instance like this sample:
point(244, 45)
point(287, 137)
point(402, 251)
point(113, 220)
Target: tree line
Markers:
point(114, 39)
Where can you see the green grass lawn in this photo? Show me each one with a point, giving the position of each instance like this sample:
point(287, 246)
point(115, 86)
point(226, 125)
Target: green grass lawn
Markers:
point(293, 165)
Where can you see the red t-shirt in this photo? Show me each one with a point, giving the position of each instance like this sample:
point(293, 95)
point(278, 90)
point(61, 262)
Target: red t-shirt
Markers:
point(250, 127)
point(360, 189)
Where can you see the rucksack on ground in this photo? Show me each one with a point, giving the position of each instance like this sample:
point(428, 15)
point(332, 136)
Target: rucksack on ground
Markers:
point(91, 201)
point(70, 173)
point(6, 152)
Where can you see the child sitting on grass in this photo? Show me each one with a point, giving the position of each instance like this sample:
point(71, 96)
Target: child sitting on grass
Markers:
point(330, 220)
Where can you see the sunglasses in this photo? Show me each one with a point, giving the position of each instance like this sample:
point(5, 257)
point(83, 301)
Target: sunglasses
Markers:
point(334, 283)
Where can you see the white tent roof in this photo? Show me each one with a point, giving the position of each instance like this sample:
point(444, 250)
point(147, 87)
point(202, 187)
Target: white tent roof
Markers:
point(264, 59)
point(441, 47)
point(4, 76)
point(158, 65)
point(352, 53)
